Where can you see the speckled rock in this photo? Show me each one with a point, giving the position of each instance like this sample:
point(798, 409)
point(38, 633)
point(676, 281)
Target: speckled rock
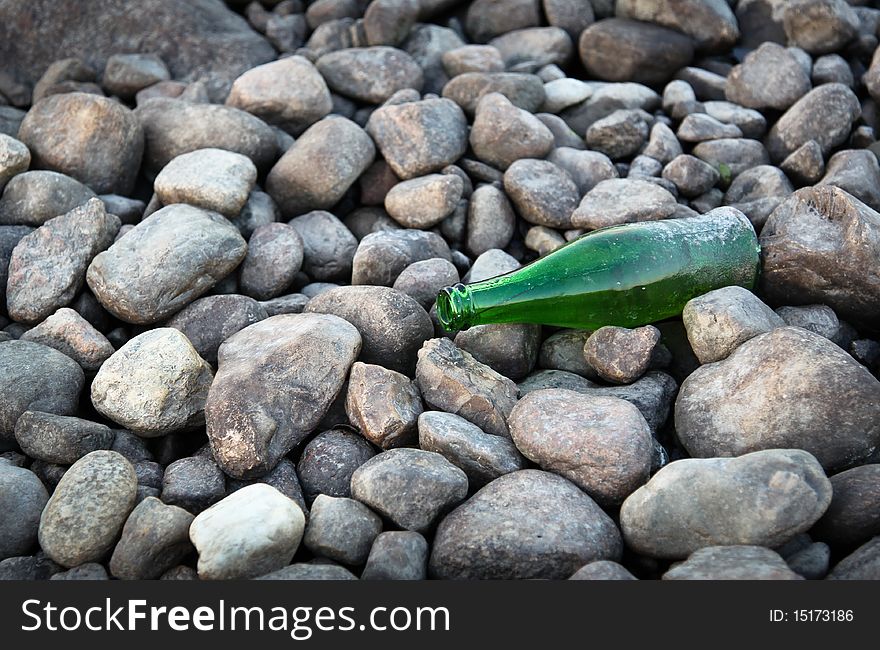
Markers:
point(737, 562)
point(815, 247)
point(173, 127)
point(328, 461)
point(154, 384)
point(382, 256)
point(58, 438)
point(289, 93)
point(622, 200)
point(212, 179)
point(328, 246)
point(282, 407)
point(397, 555)
point(85, 514)
point(33, 197)
point(341, 529)
point(209, 321)
point(22, 499)
point(320, 167)
point(418, 138)
point(482, 457)
point(155, 538)
point(37, 378)
point(274, 257)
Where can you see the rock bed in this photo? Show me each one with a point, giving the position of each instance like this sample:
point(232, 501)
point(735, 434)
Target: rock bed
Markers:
point(219, 354)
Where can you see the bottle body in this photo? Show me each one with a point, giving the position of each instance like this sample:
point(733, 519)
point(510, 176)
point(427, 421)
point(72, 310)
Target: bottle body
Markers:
point(626, 275)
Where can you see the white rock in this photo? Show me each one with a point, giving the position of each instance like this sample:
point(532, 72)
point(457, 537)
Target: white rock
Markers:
point(252, 532)
point(154, 384)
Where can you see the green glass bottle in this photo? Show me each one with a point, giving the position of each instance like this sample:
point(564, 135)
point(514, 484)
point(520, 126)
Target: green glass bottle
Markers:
point(626, 275)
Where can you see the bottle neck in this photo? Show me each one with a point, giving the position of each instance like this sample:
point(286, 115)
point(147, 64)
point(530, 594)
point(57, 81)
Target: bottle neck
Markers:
point(455, 307)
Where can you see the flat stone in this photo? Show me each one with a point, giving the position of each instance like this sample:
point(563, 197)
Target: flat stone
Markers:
point(126, 74)
point(618, 200)
point(482, 457)
point(411, 487)
point(58, 438)
point(319, 168)
point(699, 127)
point(154, 539)
point(212, 179)
point(93, 139)
point(524, 525)
point(173, 127)
point(472, 58)
point(763, 498)
point(85, 514)
point(251, 532)
point(452, 380)
point(388, 22)
point(783, 389)
point(602, 444)
point(289, 93)
point(692, 177)
point(47, 266)
point(164, 263)
point(719, 321)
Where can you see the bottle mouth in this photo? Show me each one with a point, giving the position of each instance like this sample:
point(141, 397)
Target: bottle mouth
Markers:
point(454, 307)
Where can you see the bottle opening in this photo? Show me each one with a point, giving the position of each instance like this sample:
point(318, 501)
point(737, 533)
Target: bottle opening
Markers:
point(454, 307)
